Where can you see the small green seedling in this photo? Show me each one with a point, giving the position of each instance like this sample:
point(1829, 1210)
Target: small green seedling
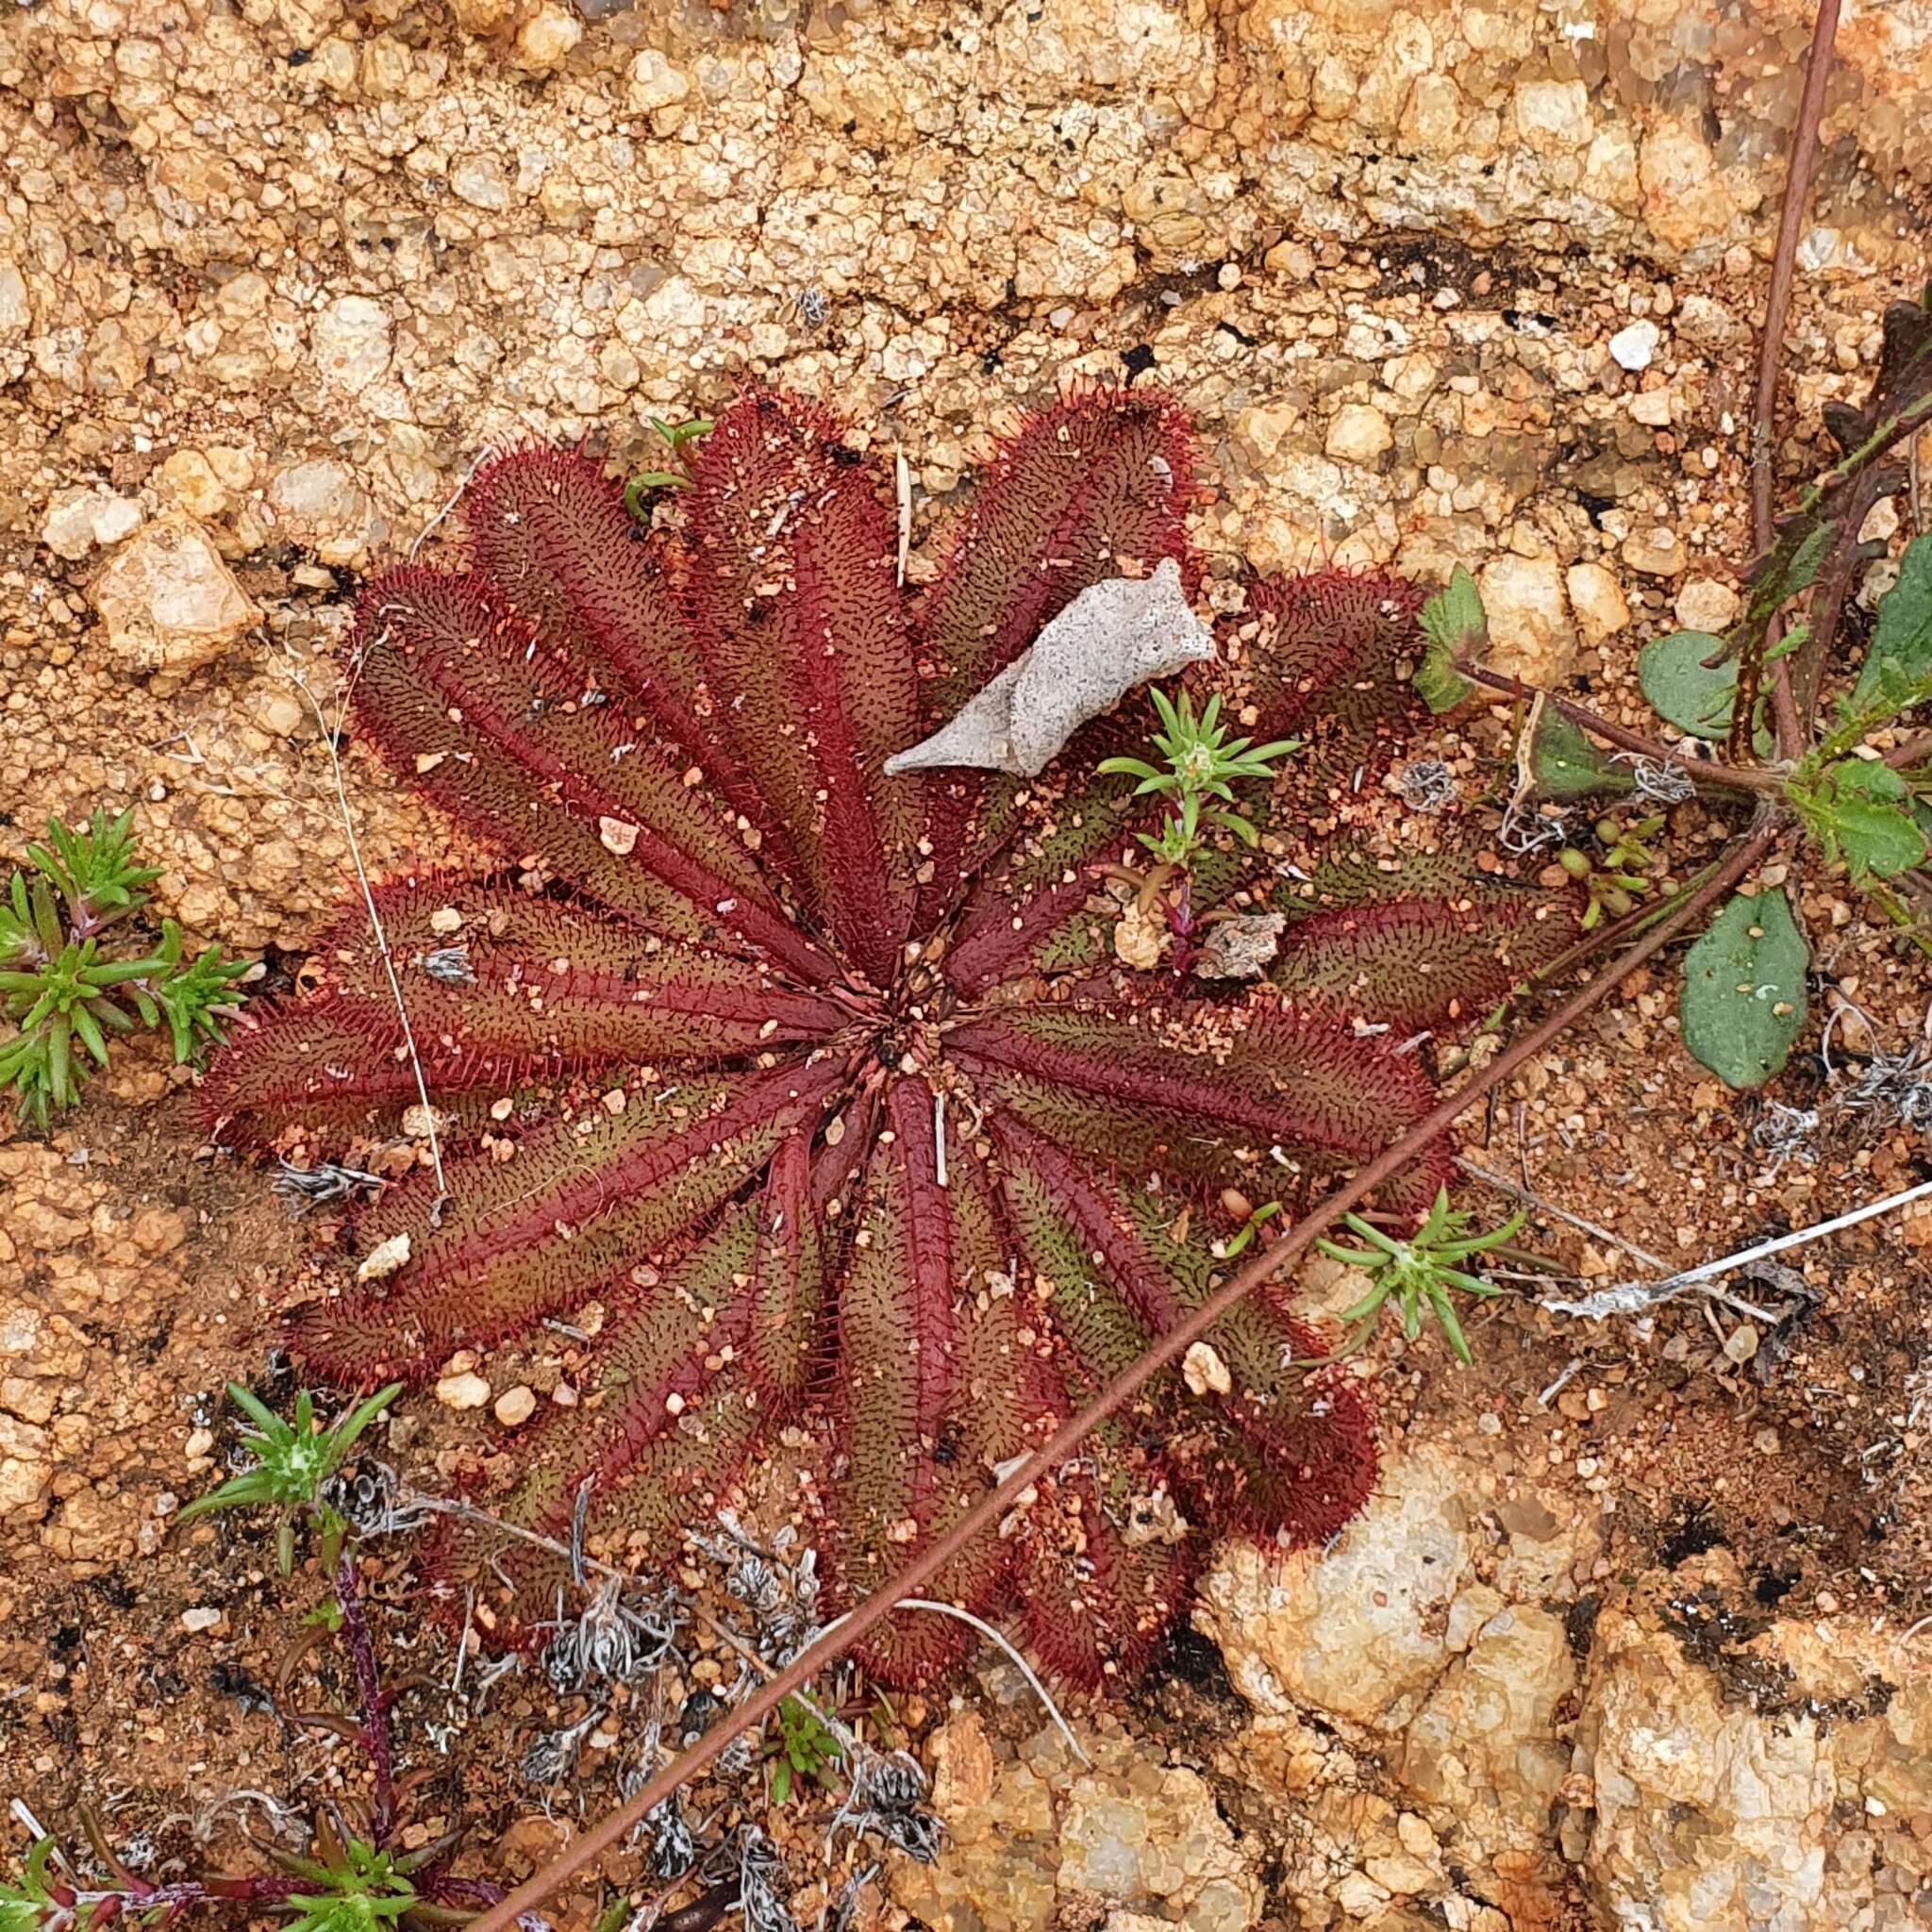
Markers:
point(356, 1887)
point(294, 1461)
point(1201, 764)
point(673, 436)
point(1616, 882)
point(37, 1901)
point(806, 1751)
point(1417, 1273)
point(1239, 1243)
point(65, 987)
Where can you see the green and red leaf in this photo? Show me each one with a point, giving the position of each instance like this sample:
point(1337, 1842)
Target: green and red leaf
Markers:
point(793, 592)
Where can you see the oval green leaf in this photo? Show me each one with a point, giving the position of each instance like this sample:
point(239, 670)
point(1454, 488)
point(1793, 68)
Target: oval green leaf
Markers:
point(1743, 998)
point(1682, 690)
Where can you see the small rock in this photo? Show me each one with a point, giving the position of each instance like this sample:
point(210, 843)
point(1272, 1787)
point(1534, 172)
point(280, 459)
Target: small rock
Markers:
point(617, 836)
point(1140, 937)
point(1354, 1630)
point(1704, 324)
point(26, 1470)
point(1650, 407)
point(1655, 552)
point(67, 528)
point(1704, 604)
point(654, 83)
point(1360, 1896)
point(169, 601)
point(320, 505)
point(79, 518)
point(16, 311)
point(515, 1406)
point(189, 481)
point(962, 1765)
point(351, 342)
point(1635, 349)
point(1553, 116)
point(279, 714)
point(545, 39)
point(1259, 431)
point(484, 16)
point(1358, 434)
point(204, 1617)
point(384, 1259)
point(467, 1390)
point(1740, 1344)
point(1204, 1373)
point(115, 517)
point(1530, 633)
point(1241, 947)
point(1597, 600)
point(479, 179)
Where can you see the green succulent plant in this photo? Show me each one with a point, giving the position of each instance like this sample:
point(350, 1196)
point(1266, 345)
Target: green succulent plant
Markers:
point(1201, 764)
point(1420, 1274)
point(293, 1459)
point(66, 987)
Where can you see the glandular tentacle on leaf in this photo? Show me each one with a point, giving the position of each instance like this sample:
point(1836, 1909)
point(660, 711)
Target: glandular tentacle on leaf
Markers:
point(831, 1090)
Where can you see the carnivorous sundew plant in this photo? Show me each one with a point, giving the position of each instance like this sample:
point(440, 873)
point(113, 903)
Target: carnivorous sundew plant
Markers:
point(833, 1087)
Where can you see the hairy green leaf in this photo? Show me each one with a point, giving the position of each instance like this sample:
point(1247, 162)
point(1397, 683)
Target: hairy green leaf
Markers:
point(1859, 811)
point(1455, 625)
point(1900, 658)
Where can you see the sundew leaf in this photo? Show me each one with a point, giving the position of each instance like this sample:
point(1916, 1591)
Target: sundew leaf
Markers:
point(1900, 658)
point(1743, 998)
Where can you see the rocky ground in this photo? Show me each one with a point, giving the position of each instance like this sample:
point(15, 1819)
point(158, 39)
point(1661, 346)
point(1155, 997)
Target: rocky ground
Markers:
point(1633, 1635)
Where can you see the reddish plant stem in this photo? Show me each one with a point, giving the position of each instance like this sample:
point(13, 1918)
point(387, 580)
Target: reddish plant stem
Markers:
point(1702, 771)
point(1783, 265)
point(1915, 750)
point(360, 1645)
point(835, 1643)
point(1792, 730)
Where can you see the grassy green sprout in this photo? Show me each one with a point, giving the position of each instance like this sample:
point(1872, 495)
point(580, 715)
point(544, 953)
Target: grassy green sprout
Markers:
point(292, 1462)
point(356, 1887)
point(35, 1901)
point(1200, 765)
point(1419, 1275)
point(806, 1751)
point(673, 436)
point(68, 989)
